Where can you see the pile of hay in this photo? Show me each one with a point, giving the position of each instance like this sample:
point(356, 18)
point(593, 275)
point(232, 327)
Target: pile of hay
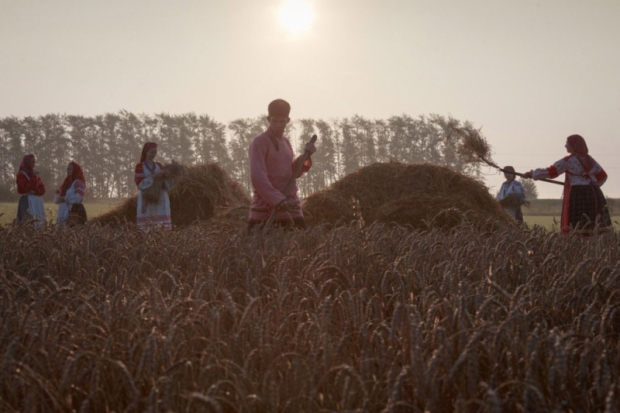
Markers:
point(197, 195)
point(329, 206)
point(423, 196)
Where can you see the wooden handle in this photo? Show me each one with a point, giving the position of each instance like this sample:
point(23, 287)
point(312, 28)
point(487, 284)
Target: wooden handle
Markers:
point(551, 181)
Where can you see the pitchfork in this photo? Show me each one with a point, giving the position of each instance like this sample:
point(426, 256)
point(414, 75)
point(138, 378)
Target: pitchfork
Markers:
point(551, 181)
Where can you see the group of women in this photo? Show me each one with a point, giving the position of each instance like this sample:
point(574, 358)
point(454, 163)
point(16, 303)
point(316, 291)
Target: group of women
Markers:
point(584, 208)
point(70, 195)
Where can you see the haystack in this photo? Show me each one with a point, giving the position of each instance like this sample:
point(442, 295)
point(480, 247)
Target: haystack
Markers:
point(420, 195)
point(197, 195)
point(329, 206)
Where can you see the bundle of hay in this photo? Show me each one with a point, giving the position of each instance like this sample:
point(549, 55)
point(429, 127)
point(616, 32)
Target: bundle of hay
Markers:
point(230, 218)
point(513, 201)
point(471, 144)
point(152, 194)
point(406, 194)
point(201, 190)
point(329, 207)
point(196, 195)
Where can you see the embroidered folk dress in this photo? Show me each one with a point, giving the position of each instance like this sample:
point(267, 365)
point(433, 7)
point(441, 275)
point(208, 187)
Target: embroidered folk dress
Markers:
point(155, 215)
point(271, 168)
point(512, 187)
point(75, 195)
point(583, 201)
point(30, 205)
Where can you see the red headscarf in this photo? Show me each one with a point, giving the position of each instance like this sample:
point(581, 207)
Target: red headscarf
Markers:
point(580, 150)
point(76, 175)
point(25, 165)
point(147, 146)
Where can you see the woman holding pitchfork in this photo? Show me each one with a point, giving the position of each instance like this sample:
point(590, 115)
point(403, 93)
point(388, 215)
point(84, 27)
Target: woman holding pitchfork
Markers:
point(583, 205)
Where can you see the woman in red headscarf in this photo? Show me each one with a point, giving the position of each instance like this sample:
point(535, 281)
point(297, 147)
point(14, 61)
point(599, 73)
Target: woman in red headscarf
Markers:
point(30, 186)
point(69, 197)
point(150, 214)
point(583, 205)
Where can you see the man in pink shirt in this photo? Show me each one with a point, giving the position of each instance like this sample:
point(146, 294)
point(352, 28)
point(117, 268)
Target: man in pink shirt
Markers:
point(271, 168)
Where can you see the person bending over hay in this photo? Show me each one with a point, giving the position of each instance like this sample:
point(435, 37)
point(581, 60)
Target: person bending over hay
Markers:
point(153, 182)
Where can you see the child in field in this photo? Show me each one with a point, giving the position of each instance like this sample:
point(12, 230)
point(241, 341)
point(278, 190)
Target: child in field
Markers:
point(583, 204)
point(271, 167)
point(30, 186)
point(69, 197)
point(152, 215)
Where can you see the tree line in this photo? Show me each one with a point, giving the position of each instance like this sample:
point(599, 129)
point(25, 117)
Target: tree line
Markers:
point(108, 146)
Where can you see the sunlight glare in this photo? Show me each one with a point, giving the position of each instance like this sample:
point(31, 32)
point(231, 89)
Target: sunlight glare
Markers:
point(296, 16)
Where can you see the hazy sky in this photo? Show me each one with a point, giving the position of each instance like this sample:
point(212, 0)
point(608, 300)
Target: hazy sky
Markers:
point(529, 73)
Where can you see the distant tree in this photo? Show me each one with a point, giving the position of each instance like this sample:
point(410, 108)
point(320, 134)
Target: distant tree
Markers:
point(131, 135)
point(384, 136)
point(327, 158)
point(151, 126)
point(531, 192)
point(83, 134)
point(350, 151)
point(406, 143)
point(362, 133)
point(210, 142)
point(56, 145)
point(108, 146)
point(12, 149)
point(175, 137)
point(323, 163)
point(243, 131)
point(430, 138)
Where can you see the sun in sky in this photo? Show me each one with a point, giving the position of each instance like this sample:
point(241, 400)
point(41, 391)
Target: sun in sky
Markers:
point(296, 16)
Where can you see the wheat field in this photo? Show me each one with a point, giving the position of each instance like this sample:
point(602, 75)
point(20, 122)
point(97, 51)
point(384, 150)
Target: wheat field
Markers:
point(358, 319)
